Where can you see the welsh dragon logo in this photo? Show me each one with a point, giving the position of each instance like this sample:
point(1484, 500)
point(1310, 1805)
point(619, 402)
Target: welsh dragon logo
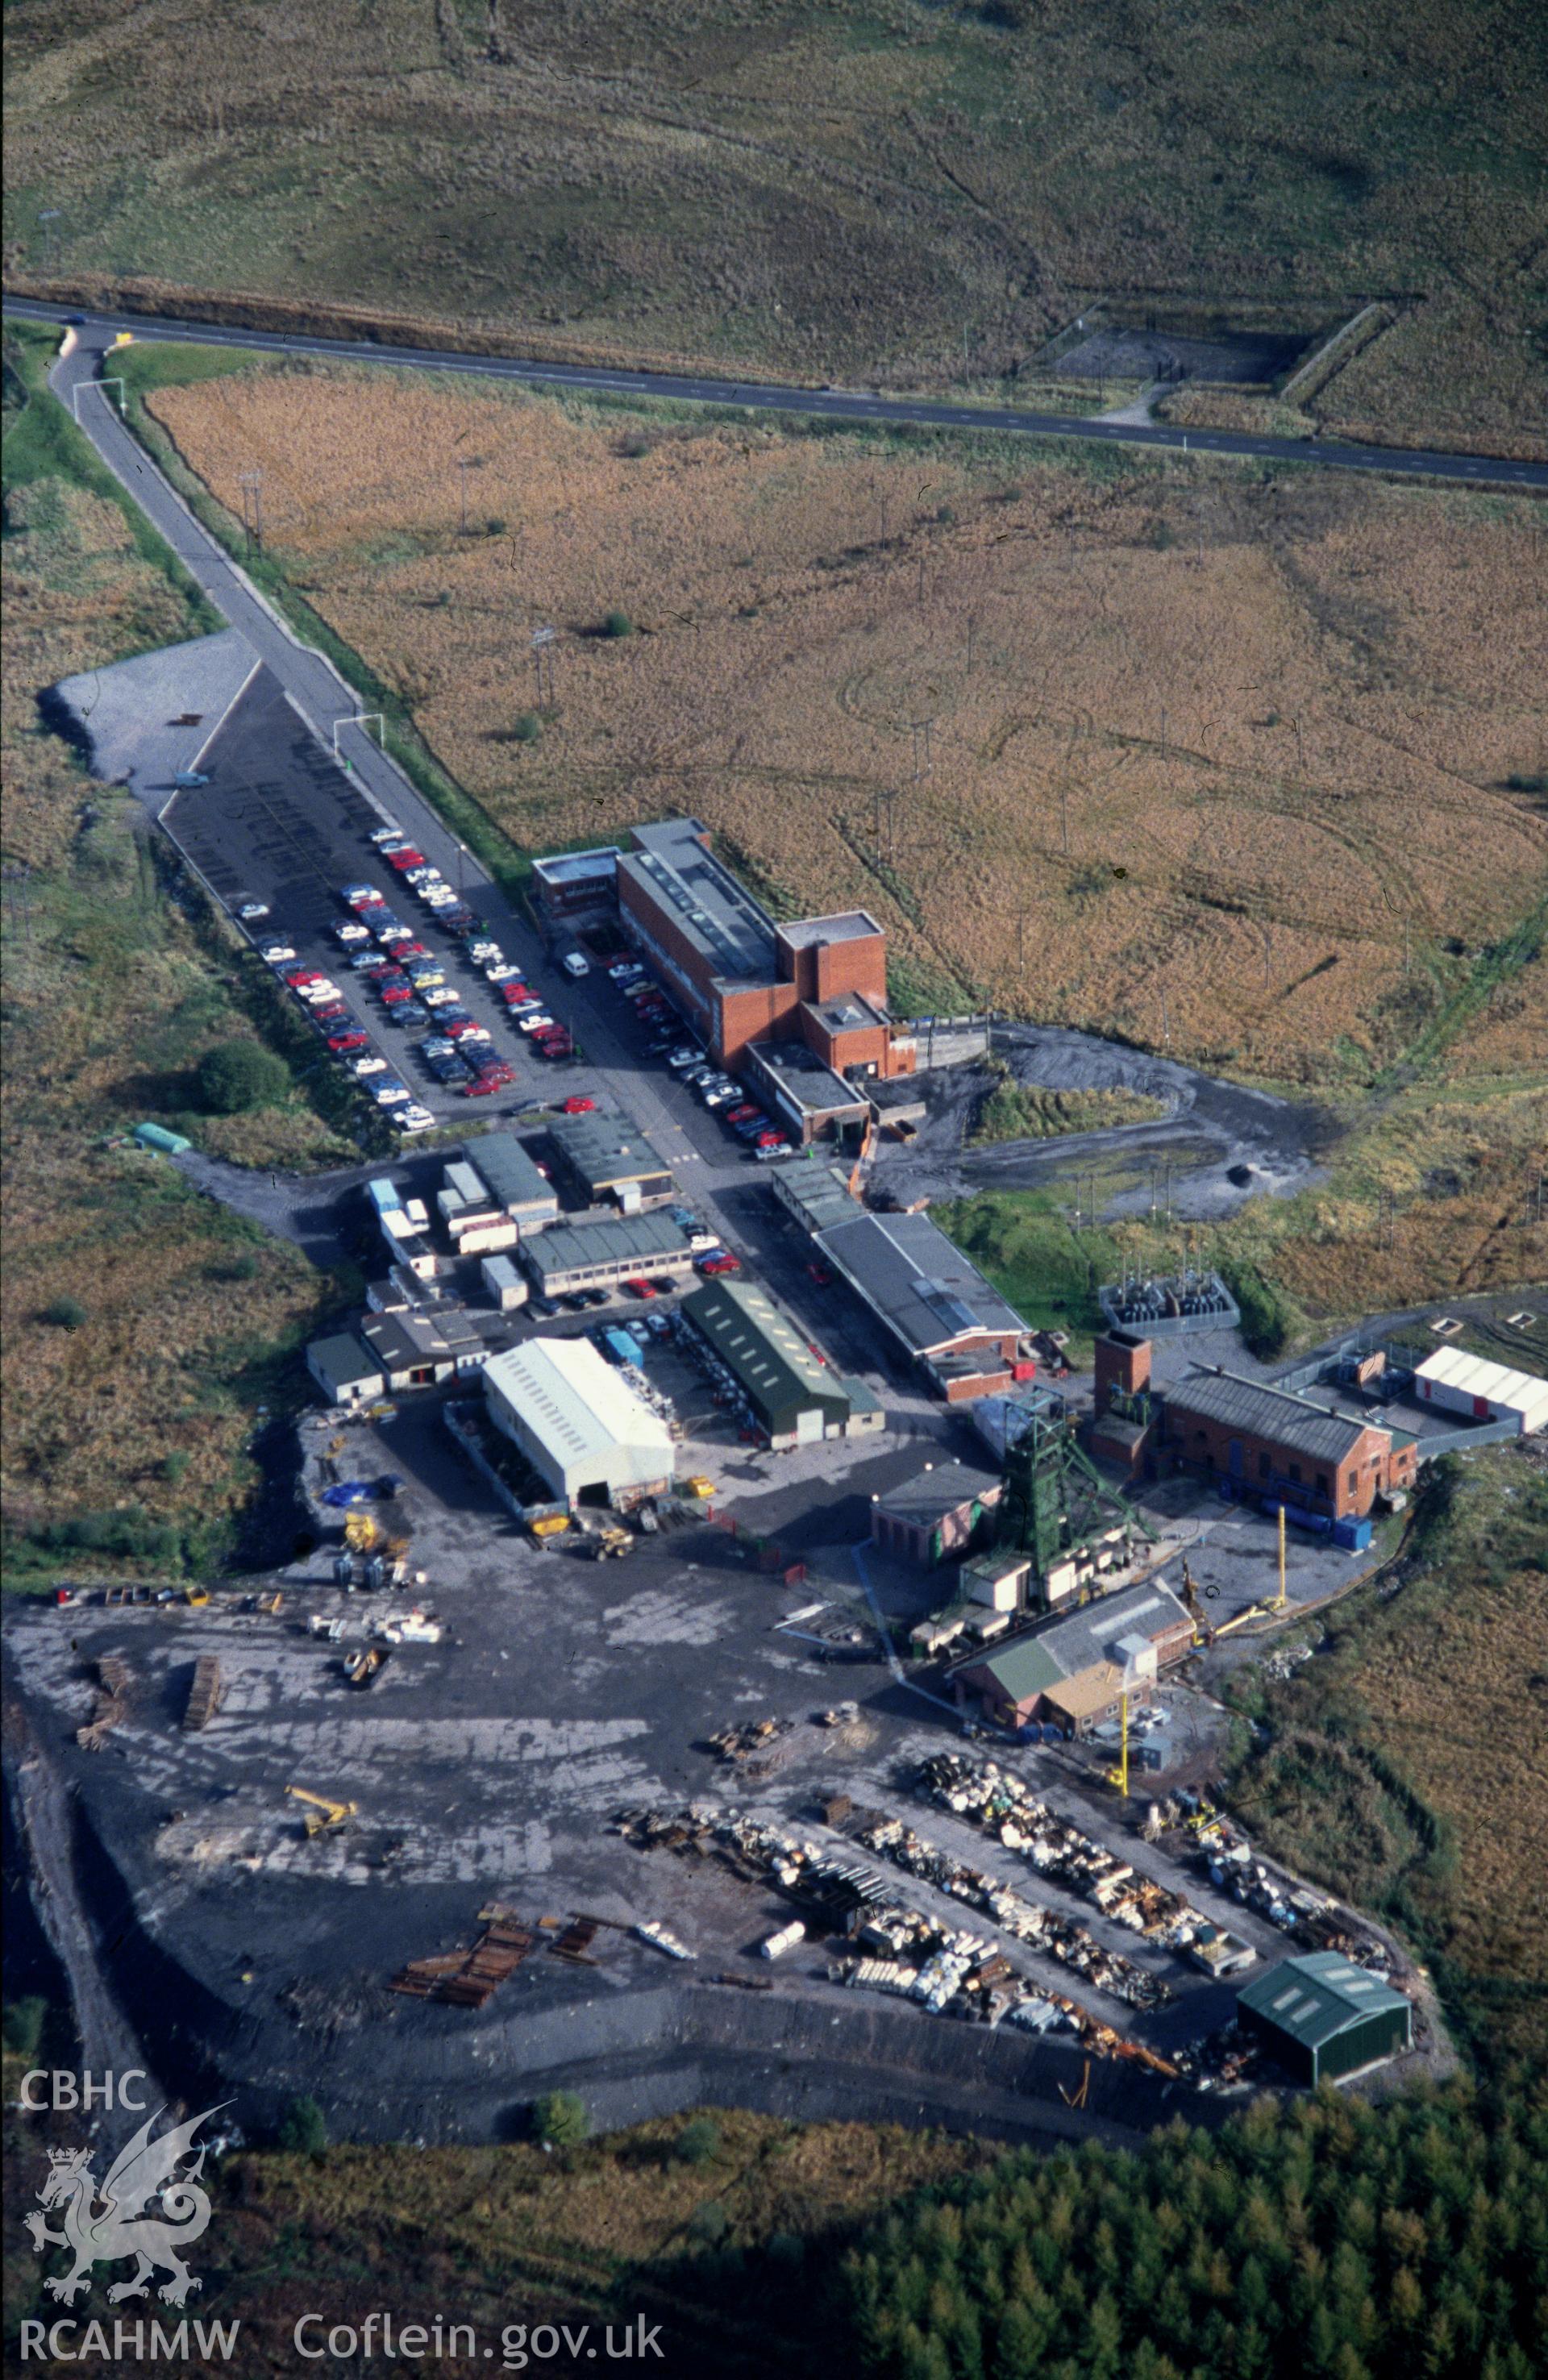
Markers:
point(104, 2223)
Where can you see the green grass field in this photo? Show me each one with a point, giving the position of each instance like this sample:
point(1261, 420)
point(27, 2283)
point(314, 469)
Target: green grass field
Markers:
point(874, 190)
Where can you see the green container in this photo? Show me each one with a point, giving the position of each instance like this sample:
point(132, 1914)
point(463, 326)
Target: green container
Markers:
point(155, 1136)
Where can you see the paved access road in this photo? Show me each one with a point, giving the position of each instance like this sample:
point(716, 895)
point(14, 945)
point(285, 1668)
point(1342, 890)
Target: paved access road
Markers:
point(829, 404)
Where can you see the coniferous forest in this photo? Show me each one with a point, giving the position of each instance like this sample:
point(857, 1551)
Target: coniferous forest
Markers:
point(1408, 2241)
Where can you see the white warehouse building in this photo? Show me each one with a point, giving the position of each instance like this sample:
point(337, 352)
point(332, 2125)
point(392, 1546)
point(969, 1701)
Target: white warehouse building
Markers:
point(1483, 1392)
point(578, 1423)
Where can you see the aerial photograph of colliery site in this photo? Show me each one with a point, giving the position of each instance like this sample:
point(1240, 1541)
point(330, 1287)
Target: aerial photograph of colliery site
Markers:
point(775, 1160)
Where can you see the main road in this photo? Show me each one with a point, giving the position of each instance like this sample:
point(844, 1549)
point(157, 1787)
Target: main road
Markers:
point(827, 404)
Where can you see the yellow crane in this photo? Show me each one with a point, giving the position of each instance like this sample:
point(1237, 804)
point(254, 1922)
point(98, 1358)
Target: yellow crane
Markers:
point(321, 1817)
point(1119, 1777)
point(1280, 1605)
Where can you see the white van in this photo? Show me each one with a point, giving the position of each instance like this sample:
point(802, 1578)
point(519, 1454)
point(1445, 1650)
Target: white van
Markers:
point(573, 963)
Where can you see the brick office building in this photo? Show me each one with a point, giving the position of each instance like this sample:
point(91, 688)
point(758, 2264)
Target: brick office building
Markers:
point(740, 977)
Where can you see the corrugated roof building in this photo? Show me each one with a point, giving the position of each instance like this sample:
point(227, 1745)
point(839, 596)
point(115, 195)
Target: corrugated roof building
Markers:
point(512, 1179)
point(579, 1426)
point(931, 1298)
point(1299, 1450)
point(599, 1256)
point(1323, 2017)
point(797, 1398)
point(609, 1156)
point(1070, 1671)
point(1482, 1391)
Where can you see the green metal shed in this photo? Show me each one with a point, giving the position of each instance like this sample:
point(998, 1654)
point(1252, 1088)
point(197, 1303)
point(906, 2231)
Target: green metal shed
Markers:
point(1323, 2017)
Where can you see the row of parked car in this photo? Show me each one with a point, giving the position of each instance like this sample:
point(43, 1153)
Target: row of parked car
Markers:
point(666, 1036)
point(408, 978)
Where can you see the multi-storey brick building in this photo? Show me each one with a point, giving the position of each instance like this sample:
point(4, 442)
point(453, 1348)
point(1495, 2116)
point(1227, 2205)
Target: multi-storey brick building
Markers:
point(744, 979)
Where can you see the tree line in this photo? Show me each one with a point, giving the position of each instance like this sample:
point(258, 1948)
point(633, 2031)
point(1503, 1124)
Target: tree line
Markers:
point(1329, 2237)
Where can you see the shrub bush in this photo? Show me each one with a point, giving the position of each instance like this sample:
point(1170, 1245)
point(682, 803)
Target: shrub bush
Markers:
point(698, 2142)
point(1267, 1316)
point(528, 728)
point(65, 1313)
point(241, 1076)
point(22, 2029)
point(617, 623)
point(303, 2128)
point(560, 2118)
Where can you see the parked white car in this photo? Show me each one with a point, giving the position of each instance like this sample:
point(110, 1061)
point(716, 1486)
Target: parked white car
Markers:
point(574, 964)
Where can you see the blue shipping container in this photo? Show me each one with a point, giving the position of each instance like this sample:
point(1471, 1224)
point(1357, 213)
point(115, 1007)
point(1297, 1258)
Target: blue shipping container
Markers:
point(1353, 1536)
point(1319, 1523)
point(622, 1347)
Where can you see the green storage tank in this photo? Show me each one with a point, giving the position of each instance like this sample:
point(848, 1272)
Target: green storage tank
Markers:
point(155, 1136)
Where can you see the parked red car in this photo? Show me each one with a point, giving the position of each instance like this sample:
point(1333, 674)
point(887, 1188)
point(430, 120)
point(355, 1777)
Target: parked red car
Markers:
point(820, 1275)
point(720, 1261)
point(406, 858)
point(575, 1106)
point(393, 992)
point(340, 1044)
point(640, 1289)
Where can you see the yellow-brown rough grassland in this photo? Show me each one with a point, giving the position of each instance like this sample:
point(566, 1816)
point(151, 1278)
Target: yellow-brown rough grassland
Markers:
point(1246, 744)
point(865, 191)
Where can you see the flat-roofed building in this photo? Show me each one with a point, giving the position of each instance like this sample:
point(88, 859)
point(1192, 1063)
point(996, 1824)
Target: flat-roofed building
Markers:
point(578, 1422)
point(933, 1299)
point(570, 887)
point(477, 1224)
point(609, 1156)
point(740, 977)
point(795, 1394)
point(503, 1284)
point(804, 1094)
point(509, 1173)
point(599, 1256)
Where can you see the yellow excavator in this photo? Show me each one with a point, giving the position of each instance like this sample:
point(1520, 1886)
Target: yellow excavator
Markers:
point(321, 1817)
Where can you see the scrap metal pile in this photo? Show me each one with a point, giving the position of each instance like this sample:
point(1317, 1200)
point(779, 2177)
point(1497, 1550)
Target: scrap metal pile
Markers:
point(1004, 1806)
point(890, 1947)
point(468, 1978)
point(109, 1706)
point(750, 1746)
point(204, 1696)
point(1309, 1917)
point(1065, 1939)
